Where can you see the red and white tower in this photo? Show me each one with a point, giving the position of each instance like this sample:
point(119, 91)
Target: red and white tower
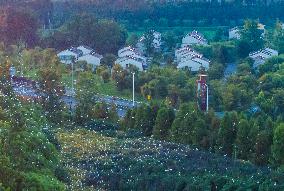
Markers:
point(202, 92)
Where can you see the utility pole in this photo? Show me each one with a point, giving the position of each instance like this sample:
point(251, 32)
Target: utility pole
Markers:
point(133, 88)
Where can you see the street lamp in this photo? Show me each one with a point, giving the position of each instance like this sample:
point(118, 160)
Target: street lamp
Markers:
point(133, 88)
point(72, 76)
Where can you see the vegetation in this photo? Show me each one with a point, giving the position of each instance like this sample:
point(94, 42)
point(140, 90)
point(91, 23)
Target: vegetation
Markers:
point(57, 138)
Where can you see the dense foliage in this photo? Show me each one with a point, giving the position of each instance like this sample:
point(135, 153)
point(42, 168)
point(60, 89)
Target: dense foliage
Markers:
point(164, 143)
point(27, 159)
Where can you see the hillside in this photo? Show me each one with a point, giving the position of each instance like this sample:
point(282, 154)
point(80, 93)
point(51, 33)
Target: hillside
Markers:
point(113, 160)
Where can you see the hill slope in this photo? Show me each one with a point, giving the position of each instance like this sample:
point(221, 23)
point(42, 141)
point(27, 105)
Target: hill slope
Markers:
point(113, 160)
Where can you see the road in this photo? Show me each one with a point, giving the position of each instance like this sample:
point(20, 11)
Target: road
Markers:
point(121, 104)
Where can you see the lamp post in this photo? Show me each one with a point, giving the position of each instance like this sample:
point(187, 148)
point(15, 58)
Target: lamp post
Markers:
point(72, 77)
point(133, 89)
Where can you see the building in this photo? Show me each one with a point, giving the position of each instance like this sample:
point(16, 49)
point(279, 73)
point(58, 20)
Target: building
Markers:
point(157, 41)
point(194, 64)
point(234, 33)
point(185, 51)
point(130, 51)
point(259, 57)
point(85, 49)
point(187, 58)
point(130, 56)
point(80, 53)
point(92, 59)
point(126, 61)
point(194, 38)
point(70, 55)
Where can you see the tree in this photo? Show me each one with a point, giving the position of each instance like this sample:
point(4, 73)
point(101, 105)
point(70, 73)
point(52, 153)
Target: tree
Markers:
point(132, 40)
point(145, 119)
point(189, 127)
point(108, 60)
point(100, 111)
point(51, 90)
point(105, 36)
point(278, 37)
point(128, 122)
point(220, 54)
point(252, 35)
point(123, 77)
point(109, 37)
point(164, 120)
point(245, 139)
point(262, 147)
point(243, 49)
point(148, 42)
point(157, 88)
point(278, 145)
point(27, 159)
point(85, 95)
point(18, 26)
point(227, 133)
point(170, 40)
point(216, 71)
point(104, 72)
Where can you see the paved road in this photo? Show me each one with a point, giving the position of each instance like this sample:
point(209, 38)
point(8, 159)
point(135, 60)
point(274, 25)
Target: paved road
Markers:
point(230, 70)
point(122, 104)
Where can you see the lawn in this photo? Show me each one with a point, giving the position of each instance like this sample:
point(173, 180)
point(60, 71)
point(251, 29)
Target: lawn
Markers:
point(208, 32)
point(108, 88)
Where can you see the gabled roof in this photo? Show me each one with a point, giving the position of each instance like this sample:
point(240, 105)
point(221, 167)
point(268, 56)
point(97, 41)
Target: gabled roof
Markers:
point(85, 49)
point(129, 48)
point(267, 51)
point(195, 34)
point(96, 55)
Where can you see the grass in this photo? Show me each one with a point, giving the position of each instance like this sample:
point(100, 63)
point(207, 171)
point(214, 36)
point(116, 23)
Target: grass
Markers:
point(108, 88)
point(208, 32)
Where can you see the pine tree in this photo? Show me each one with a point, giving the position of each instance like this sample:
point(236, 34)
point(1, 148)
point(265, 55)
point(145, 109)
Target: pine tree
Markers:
point(163, 123)
point(144, 120)
point(245, 139)
point(278, 145)
point(227, 133)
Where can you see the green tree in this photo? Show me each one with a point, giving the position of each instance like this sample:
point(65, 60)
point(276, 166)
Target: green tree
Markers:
point(252, 35)
point(128, 122)
point(170, 40)
point(220, 54)
point(122, 77)
point(227, 133)
point(245, 139)
point(18, 25)
point(148, 42)
point(85, 95)
point(278, 145)
point(132, 40)
point(278, 37)
point(262, 147)
point(164, 120)
point(51, 89)
point(184, 124)
point(216, 71)
point(108, 60)
point(145, 119)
